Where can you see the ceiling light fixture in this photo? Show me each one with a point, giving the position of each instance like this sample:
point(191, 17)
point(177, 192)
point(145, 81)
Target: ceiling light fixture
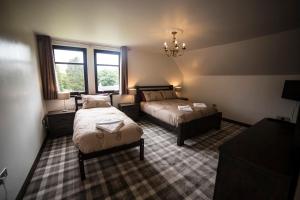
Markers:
point(174, 49)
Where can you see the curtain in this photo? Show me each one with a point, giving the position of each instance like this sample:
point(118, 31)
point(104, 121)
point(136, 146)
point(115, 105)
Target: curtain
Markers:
point(46, 61)
point(124, 70)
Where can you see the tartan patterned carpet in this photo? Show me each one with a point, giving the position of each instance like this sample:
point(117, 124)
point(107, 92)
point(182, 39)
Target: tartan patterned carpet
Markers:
point(168, 171)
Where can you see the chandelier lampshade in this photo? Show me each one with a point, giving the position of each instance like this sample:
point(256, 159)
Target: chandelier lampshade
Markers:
point(174, 48)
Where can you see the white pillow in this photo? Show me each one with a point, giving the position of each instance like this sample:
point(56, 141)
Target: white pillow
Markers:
point(168, 94)
point(94, 101)
point(96, 97)
point(153, 96)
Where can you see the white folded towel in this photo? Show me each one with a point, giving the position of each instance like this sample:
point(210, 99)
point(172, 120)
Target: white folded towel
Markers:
point(108, 121)
point(110, 125)
point(186, 108)
point(199, 105)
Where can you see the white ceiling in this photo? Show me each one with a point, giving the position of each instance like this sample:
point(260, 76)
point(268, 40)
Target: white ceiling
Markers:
point(144, 23)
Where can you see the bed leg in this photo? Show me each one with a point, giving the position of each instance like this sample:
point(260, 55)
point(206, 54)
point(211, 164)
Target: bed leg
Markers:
point(142, 149)
point(218, 125)
point(219, 121)
point(180, 138)
point(81, 166)
point(180, 141)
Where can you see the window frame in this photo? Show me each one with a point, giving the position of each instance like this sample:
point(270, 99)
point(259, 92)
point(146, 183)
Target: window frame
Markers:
point(84, 50)
point(96, 71)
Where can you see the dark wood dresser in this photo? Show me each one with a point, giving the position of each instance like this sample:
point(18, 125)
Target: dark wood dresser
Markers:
point(60, 123)
point(259, 164)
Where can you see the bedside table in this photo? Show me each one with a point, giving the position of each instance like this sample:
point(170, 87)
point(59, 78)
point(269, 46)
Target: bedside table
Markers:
point(130, 109)
point(60, 123)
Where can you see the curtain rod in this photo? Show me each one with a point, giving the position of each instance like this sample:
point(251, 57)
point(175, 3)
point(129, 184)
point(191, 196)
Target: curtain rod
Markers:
point(83, 43)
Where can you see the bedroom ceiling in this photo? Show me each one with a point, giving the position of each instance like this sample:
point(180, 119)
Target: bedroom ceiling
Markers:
point(144, 24)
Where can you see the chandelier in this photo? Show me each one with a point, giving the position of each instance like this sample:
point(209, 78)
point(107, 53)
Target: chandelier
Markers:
point(174, 49)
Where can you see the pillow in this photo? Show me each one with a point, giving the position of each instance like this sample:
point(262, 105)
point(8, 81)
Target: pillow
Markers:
point(153, 95)
point(96, 96)
point(168, 94)
point(94, 101)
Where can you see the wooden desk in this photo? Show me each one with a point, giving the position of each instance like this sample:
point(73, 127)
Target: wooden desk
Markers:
point(260, 163)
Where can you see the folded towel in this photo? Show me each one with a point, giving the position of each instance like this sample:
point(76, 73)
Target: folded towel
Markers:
point(108, 121)
point(199, 105)
point(186, 108)
point(110, 127)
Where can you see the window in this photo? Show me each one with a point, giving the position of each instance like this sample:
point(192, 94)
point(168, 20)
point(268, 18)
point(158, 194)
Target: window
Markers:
point(71, 69)
point(107, 71)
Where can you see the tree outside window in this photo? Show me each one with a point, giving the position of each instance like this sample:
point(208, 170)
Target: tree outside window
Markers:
point(107, 71)
point(70, 68)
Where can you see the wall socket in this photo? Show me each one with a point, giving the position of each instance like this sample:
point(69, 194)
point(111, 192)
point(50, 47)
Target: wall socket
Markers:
point(282, 118)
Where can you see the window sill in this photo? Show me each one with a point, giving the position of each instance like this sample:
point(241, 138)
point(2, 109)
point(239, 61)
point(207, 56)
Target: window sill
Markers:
point(108, 92)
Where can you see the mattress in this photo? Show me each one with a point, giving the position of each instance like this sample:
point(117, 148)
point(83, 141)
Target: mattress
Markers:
point(167, 111)
point(90, 139)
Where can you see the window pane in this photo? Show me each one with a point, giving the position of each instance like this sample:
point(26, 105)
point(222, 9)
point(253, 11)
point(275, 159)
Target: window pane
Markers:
point(70, 78)
point(108, 78)
point(107, 59)
point(68, 56)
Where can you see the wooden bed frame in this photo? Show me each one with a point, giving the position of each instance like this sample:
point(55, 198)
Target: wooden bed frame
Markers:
point(85, 156)
point(183, 130)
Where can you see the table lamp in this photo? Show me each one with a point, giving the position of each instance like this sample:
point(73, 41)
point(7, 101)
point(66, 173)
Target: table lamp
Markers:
point(178, 88)
point(63, 96)
point(132, 92)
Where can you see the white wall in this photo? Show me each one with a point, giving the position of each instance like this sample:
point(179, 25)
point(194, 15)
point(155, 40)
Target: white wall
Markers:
point(147, 68)
point(22, 109)
point(242, 98)
point(144, 68)
point(245, 79)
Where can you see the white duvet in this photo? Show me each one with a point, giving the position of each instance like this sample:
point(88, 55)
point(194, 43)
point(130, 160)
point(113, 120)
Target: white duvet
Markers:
point(90, 139)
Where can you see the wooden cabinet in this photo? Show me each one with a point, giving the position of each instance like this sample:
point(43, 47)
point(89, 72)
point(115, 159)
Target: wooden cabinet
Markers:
point(260, 163)
point(131, 110)
point(60, 123)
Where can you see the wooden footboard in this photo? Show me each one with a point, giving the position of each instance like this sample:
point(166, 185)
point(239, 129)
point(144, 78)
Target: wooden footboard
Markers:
point(198, 126)
point(82, 156)
point(191, 128)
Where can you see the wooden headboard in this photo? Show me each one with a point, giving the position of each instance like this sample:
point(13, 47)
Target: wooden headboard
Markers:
point(140, 89)
point(78, 102)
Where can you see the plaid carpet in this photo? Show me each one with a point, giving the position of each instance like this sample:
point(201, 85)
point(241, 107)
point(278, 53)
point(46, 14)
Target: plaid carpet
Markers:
point(168, 171)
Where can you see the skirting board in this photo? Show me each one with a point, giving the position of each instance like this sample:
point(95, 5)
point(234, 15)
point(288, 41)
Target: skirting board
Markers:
point(236, 122)
point(32, 169)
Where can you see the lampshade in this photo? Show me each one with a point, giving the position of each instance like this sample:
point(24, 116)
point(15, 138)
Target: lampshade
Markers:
point(132, 91)
point(178, 88)
point(63, 95)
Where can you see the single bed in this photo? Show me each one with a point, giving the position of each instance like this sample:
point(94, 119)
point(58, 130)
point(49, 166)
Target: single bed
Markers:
point(165, 112)
point(92, 142)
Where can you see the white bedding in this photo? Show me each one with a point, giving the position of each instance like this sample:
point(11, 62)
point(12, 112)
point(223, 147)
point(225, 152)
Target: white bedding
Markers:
point(90, 139)
point(167, 111)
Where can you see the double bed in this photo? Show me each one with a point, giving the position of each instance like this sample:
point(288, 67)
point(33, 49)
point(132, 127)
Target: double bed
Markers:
point(92, 142)
point(164, 111)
